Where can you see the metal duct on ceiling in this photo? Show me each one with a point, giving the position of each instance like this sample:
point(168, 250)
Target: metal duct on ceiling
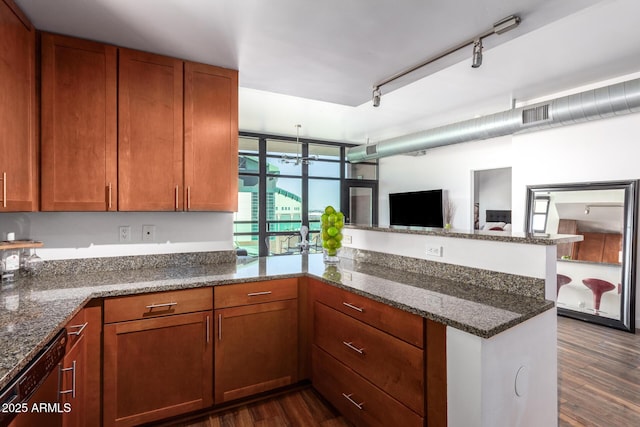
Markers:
point(615, 100)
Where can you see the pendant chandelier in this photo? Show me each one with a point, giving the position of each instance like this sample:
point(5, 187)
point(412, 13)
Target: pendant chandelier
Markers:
point(297, 159)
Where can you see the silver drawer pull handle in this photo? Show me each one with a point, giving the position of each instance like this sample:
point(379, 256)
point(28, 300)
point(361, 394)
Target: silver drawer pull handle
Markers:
point(79, 331)
point(353, 307)
point(353, 347)
point(219, 327)
point(356, 404)
point(73, 379)
point(255, 294)
point(166, 305)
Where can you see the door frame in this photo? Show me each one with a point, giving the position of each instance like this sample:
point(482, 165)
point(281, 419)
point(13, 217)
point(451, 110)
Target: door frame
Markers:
point(358, 183)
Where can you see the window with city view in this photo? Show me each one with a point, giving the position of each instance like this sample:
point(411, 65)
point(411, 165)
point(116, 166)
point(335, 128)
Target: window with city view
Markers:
point(278, 193)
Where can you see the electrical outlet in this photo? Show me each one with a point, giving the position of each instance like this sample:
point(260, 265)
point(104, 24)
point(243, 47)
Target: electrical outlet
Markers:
point(125, 233)
point(148, 233)
point(434, 250)
point(346, 238)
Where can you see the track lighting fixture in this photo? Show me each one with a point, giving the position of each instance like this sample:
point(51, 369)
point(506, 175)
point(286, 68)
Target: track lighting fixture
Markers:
point(376, 96)
point(506, 24)
point(587, 208)
point(477, 54)
point(500, 27)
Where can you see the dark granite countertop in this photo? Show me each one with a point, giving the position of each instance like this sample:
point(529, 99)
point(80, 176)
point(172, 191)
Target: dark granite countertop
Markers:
point(495, 236)
point(35, 309)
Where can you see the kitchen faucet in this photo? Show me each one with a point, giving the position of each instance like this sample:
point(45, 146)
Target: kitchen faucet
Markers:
point(304, 243)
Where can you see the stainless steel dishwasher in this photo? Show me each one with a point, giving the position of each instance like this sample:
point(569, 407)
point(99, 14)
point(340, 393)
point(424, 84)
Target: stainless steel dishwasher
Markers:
point(37, 384)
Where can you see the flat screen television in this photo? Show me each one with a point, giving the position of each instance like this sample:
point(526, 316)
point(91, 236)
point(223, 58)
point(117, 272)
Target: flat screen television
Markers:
point(417, 208)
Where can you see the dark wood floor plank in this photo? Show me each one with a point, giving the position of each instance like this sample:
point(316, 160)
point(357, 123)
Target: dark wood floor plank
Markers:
point(598, 376)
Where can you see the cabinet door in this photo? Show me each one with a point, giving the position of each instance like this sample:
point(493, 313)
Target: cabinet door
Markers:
point(83, 364)
point(150, 167)
point(211, 138)
point(72, 385)
point(157, 368)
point(79, 147)
point(256, 349)
point(612, 248)
point(591, 248)
point(18, 137)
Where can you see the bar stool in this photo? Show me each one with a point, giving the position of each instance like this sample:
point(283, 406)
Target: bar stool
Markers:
point(562, 280)
point(598, 287)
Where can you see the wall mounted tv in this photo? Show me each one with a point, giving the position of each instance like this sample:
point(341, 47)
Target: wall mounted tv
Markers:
point(417, 208)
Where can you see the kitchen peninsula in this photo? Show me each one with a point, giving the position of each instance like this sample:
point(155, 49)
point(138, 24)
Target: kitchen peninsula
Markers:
point(500, 345)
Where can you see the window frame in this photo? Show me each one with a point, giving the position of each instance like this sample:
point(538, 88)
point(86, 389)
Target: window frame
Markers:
point(263, 234)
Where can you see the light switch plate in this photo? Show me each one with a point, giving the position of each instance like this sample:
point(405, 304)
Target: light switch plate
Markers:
point(346, 238)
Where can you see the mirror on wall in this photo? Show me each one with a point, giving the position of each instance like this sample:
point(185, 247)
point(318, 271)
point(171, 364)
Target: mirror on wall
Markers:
point(595, 277)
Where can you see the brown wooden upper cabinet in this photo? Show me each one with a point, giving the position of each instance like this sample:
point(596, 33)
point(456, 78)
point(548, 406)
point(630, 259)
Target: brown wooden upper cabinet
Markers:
point(79, 145)
point(210, 138)
point(149, 132)
point(159, 170)
point(18, 129)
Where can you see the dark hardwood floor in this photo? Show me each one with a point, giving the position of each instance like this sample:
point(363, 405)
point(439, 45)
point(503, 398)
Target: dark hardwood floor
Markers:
point(598, 386)
point(299, 408)
point(598, 375)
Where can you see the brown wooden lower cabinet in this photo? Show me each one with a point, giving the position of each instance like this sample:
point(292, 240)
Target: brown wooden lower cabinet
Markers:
point(157, 367)
point(375, 372)
point(80, 369)
point(257, 344)
point(357, 399)
point(255, 337)
point(382, 359)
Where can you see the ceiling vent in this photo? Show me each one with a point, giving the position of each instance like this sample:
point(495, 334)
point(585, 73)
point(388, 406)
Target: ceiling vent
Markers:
point(609, 101)
point(535, 114)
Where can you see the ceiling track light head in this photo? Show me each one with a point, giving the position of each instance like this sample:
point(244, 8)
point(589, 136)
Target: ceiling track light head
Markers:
point(376, 96)
point(477, 54)
point(506, 24)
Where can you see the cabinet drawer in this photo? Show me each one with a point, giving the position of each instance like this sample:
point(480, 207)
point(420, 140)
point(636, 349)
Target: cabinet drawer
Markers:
point(157, 304)
point(389, 363)
point(358, 400)
point(406, 326)
point(255, 292)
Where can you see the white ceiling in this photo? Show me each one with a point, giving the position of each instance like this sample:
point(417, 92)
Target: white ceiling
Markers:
point(315, 62)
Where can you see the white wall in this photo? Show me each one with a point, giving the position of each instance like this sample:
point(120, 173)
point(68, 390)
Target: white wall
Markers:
point(449, 168)
point(603, 150)
point(68, 235)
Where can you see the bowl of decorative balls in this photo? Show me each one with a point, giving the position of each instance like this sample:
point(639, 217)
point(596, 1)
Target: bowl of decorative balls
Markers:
point(332, 224)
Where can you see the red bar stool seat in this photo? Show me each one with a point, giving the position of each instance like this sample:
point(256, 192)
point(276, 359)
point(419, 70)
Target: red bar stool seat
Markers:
point(598, 287)
point(562, 280)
